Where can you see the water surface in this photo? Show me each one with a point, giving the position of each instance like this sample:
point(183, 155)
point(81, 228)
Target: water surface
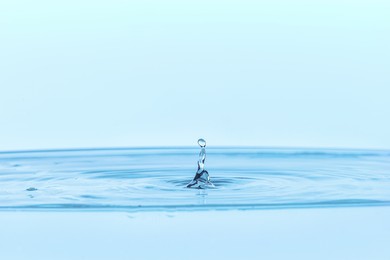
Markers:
point(156, 178)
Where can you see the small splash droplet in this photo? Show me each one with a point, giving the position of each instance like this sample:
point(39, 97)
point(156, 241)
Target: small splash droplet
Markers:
point(202, 142)
point(31, 189)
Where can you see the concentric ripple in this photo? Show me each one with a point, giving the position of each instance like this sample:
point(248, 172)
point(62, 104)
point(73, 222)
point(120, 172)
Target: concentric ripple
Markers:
point(156, 178)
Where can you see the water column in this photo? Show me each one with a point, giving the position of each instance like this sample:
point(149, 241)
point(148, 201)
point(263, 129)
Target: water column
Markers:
point(202, 177)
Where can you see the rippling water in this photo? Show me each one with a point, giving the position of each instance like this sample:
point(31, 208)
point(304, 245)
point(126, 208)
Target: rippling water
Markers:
point(156, 178)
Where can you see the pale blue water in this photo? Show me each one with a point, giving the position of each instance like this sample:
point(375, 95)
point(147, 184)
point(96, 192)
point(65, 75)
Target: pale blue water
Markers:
point(138, 179)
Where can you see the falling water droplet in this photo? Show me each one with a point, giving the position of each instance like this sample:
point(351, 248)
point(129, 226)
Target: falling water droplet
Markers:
point(202, 142)
point(202, 177)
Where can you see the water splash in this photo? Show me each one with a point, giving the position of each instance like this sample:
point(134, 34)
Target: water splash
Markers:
point(202, 177)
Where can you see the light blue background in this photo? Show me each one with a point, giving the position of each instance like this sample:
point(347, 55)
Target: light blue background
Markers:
point(144, 73)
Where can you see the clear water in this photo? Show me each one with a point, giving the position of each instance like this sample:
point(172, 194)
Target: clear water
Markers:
point(155, 179)
point(202, 177)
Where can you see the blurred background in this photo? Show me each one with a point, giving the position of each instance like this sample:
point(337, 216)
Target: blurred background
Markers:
point(164, 73)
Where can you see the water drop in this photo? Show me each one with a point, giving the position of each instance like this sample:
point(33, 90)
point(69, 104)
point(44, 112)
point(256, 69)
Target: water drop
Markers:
point(202, 142)
point(202, 177)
